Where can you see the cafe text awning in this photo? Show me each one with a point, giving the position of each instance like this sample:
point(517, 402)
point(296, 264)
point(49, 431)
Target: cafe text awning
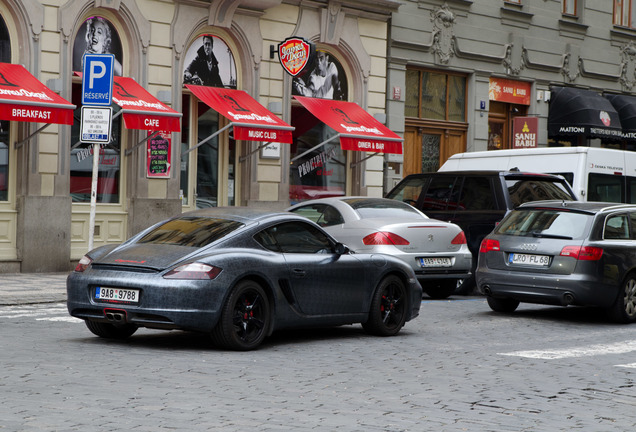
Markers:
point(578, 112)
point(250, 120)
point(141, 110)
point(626, 108)
point(357, 129)
point(24, 98)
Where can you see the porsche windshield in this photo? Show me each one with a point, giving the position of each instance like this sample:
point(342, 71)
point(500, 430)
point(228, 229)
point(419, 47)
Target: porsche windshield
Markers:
point(190, 231)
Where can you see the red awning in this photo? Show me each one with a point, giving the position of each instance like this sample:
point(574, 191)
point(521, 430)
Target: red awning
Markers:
point(142, 110)
point(358, 130)
point(24, 98)
point(251, 120)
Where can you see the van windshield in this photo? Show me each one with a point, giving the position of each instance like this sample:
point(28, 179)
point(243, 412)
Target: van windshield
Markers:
point(537, 189)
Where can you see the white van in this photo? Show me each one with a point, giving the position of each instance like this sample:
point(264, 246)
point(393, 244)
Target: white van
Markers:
point(595, 174)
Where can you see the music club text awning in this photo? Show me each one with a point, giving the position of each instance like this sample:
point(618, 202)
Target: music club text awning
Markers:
point(578, 112)
point(250, 120)
point(626, 108)
point(357, 129)
point(24, 98)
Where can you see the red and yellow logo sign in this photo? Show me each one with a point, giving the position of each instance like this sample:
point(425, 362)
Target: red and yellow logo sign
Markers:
point(294, 54)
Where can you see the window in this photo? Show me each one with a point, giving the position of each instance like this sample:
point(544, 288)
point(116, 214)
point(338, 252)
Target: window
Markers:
point(569, 7)
point(625, 13)
point(477, 194)
point(616, 227)
point(191, 231)
point(294, 237)
point(435, 96)
point(608, 188)
point(324, 215)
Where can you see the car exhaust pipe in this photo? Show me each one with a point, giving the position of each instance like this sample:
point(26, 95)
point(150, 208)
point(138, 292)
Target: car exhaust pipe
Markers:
point(117, 316)
point(568, 299)
point(487, 290)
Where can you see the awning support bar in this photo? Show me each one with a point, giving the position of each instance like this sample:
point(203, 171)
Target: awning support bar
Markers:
point(207, 139)
point(355, 164)
point(21, 143)
point(132, 149)
point(315, 147)
point(245, 157)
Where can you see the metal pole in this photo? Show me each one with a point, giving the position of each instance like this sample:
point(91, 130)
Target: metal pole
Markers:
point(91, 222)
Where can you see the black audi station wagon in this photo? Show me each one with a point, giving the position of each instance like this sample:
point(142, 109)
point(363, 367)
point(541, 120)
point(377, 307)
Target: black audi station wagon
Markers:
point(562, 253)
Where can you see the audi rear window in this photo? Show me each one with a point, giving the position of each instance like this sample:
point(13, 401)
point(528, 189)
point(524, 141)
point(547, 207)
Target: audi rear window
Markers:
point(190, 231)
point(545, 223)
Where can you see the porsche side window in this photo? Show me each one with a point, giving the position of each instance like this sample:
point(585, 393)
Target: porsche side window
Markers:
point(298, 237)
point(267, 240)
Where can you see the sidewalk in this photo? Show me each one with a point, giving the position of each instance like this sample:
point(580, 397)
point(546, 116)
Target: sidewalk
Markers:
point(31, 288)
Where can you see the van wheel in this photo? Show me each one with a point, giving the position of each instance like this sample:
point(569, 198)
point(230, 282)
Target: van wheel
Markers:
point(442, 289)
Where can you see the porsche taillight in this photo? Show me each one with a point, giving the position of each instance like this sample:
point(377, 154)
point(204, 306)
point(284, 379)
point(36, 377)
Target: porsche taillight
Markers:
point(384, 238)
point(194, 271)
point(83, 264)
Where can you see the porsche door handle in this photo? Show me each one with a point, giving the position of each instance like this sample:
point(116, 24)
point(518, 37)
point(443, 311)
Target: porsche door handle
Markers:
point(299, 272)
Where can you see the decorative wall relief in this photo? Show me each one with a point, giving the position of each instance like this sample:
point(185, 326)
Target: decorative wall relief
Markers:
point(628, 66)
point(443, 37)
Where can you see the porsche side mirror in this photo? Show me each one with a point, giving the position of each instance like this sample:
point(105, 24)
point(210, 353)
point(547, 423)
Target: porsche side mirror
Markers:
point(341, 249)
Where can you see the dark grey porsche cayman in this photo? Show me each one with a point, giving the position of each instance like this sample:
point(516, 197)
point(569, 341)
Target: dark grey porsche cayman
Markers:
point(239, 274)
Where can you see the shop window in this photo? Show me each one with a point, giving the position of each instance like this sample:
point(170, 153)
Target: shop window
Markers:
point(435, 96)
point(5, 45)
point(625, 13)
point(317, 171)
point(207, 174)
point(109, 168)
point(97, 36)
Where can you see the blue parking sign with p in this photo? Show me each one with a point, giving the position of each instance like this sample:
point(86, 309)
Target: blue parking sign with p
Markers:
point(97, 79)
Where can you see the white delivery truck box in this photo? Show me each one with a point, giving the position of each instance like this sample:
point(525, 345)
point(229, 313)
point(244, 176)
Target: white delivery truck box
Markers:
point(595, 174)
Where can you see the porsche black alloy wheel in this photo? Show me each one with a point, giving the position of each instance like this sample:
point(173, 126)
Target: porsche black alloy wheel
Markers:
point(111, 331)
point(388, 308)
point(245, 318)
point(624, 308)
point(502, 305)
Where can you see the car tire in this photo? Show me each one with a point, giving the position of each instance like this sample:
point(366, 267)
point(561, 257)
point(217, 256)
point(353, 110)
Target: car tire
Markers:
point(624, 308)
point(388, 308)
point(111, 331)
point(245, 318)
point(442, 289)
point(504, 305)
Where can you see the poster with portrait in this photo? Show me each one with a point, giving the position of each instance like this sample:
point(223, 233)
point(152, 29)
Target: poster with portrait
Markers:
point(326, 79)
point(209, 62)
point(97, 36)
point(5, 45)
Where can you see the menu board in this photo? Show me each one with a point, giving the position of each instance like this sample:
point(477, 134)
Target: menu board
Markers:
point(158, 155)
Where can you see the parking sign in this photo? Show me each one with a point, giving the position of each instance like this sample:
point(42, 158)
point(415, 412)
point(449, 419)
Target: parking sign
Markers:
point(97, 79)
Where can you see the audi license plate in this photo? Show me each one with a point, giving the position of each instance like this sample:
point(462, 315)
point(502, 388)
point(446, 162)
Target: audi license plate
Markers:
point(435, 262)
point(117, 295)
point(527, 259)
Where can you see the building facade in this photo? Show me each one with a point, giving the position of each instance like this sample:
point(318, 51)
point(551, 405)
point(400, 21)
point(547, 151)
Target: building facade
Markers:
point(165, 53)
point(468, 75)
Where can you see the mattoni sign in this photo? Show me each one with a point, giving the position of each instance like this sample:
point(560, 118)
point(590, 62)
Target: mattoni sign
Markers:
point(294, 54)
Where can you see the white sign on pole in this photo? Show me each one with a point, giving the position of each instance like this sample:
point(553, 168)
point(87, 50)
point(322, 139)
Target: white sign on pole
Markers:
point(96, 124)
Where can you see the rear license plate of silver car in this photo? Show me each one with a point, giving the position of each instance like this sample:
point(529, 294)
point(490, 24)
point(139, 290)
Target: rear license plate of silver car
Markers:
point(435, 262)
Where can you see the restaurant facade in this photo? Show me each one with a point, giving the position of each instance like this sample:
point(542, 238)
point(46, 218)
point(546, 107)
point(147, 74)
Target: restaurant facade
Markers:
point(204, 113)
point(486, 75)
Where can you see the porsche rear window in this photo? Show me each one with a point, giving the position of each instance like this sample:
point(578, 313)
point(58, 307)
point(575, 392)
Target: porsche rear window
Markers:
point(190, 231)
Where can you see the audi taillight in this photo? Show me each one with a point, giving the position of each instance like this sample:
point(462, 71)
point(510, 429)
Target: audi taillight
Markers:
point(459, 239)
point(582, 253)
point(489, 245)
point(384, 238)
point(193, 271)
point(83, 264)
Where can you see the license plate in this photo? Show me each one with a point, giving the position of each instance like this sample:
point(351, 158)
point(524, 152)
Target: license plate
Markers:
point(117, 295)
point(527, 259)
point(435, 262)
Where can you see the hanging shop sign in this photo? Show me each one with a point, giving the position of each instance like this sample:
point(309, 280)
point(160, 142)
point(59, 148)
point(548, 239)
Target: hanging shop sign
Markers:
point(294, 54)
point(158, 155)
point(509, 91)
point(524, 132)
